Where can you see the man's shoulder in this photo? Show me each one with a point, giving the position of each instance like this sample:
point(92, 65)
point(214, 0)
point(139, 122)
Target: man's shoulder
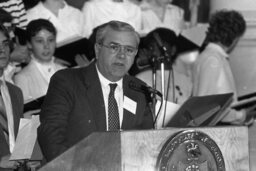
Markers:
point(73, 73)
point(131, 79)
point(28, 69)
point(70, 71)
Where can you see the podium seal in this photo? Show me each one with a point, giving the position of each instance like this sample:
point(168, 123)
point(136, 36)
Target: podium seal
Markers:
point(190, 151)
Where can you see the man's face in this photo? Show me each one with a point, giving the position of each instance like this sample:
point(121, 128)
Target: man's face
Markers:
point(116, 54)
point(43, 45)
point(4, 50)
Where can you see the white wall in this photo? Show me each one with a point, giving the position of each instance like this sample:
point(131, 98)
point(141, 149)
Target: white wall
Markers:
point(244, 5)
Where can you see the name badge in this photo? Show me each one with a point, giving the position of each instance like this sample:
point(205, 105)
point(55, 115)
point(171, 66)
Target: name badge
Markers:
point(130, 105)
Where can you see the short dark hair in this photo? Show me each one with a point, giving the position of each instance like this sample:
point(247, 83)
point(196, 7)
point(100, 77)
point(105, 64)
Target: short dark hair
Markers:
point(115, 25)
point(35, 26)
point(225, 26)
point(166, 35)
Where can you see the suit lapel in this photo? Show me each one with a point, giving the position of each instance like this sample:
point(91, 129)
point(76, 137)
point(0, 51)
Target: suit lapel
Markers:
point(15, 107)
point(95, 96)
point(129, 117)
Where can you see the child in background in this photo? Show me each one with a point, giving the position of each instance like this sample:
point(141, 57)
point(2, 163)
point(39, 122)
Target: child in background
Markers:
point(34, 78)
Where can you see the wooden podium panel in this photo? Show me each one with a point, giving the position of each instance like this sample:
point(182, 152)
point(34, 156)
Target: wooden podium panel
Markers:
point(138, 150)
point(252, 146)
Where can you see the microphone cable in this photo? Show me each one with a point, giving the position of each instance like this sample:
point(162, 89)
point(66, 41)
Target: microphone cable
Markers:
point(158, 112)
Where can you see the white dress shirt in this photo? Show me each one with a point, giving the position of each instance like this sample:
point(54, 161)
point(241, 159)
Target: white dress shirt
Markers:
point(35, 77)
point(173, 18)
point(97, 12)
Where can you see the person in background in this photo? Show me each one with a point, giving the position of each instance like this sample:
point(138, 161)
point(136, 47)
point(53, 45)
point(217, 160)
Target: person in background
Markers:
point(35, 77)
point(67, 20)
point(161, 13)
point(19, 51)
point(11, 107)
point(98, 12)
point(17, 10)
point(76, 3)
point(212, 73)
point(178, 86)
point(97, 97)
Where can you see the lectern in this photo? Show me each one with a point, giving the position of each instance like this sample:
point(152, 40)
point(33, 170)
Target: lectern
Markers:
point(216, 148)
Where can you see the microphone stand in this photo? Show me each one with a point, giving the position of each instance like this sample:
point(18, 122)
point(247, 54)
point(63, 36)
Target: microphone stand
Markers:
point(154, 61)
point(162, 63)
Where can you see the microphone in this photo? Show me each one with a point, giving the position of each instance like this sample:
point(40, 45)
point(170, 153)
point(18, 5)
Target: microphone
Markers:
point(144, 88)
point(160, 44)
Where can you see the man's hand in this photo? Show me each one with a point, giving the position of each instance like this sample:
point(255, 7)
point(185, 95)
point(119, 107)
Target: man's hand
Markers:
point(62, 62)
point(81, 60)
point(28, 114)
point(33, 165)
point(7, 164)
point(250, 115)
point(20, 54)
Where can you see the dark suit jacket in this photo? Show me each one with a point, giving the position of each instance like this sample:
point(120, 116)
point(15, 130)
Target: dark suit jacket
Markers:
point(74, 108)
point(17, 106)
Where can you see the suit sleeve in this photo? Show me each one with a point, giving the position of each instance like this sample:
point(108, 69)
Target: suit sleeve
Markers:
point(148, 122)
point(54, 116)
point(147, 117)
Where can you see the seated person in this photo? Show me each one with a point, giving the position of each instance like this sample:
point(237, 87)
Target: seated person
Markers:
point(72, 47)
point(98, 12)
point(34, 78)
point(212, 73)
point(11, 107)
point(67, 20)
point(160, 13)
point(19, 51)
point(95, 98)
point(178, 85)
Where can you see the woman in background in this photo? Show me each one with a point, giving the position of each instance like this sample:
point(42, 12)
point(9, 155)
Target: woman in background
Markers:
point(178, 85)
point(161, 13)
point(212, 73)
point(35, 77)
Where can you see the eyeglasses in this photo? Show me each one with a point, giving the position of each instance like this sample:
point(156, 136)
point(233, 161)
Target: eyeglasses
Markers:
point(5, 44)
point(115, 48)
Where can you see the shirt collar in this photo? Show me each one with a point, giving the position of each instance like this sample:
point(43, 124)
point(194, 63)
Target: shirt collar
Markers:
point(47, 64)
point(2, 79)
point(105, 82)
point(111, 1)
point(219, 49)
point(146, 6)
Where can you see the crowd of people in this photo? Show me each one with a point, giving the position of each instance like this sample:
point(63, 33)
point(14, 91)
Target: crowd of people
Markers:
point(104, 94)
